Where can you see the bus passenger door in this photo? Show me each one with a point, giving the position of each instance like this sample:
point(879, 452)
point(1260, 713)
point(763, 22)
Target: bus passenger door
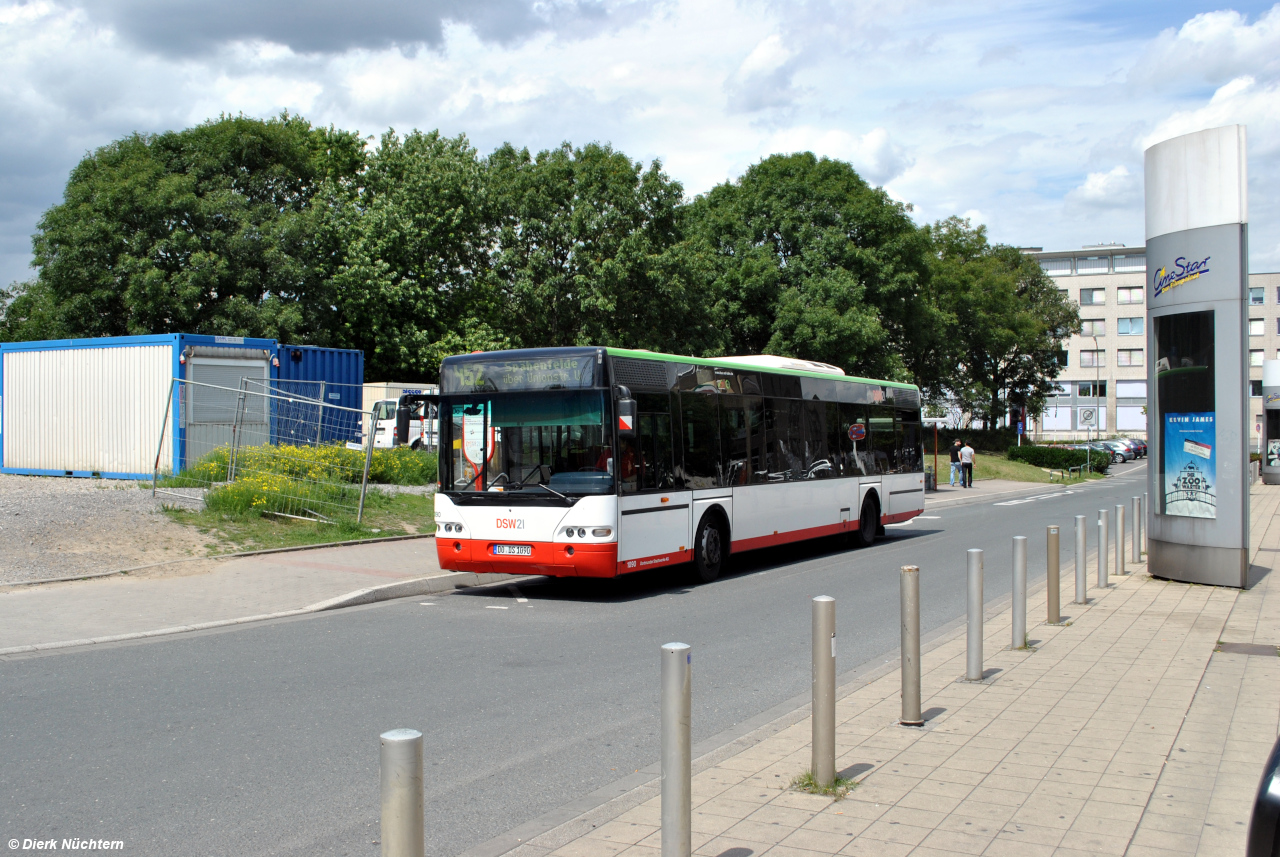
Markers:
point(655, 507)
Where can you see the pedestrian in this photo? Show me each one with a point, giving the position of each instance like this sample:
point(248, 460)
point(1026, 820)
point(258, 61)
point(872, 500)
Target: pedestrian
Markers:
point(956, 471)
point(966, 461)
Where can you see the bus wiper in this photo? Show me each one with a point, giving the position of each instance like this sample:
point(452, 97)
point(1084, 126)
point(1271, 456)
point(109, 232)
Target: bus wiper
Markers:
point(519, 486)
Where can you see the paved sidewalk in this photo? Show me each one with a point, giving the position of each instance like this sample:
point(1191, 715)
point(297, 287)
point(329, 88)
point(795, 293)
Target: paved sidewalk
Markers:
point(233, 589)
point(1121, 732)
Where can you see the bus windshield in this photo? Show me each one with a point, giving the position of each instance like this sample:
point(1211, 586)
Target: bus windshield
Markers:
point(549, 443)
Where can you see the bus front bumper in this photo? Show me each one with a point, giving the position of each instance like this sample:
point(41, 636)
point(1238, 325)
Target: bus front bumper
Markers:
point(553, 559)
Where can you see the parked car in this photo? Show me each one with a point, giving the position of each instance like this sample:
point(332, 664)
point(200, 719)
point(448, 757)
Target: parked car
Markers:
point(1138, 449)
point(1123, 450)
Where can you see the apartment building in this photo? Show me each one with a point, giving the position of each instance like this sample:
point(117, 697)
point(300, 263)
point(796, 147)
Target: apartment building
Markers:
point(1104, 367)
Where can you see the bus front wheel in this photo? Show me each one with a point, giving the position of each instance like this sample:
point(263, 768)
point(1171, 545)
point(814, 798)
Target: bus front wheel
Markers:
point(868, 522)
point(709, 548)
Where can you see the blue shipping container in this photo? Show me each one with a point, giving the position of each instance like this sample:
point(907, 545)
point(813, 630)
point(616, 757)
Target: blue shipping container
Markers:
point(336, 375)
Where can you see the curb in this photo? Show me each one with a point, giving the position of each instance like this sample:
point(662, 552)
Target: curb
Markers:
point(222, 556)
point(443, 582)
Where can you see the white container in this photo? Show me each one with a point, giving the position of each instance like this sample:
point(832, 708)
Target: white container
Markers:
point(97, 407)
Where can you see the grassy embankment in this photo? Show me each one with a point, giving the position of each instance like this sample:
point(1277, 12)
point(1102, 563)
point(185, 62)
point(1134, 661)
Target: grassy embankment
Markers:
point(248, 514)
point(998, 466)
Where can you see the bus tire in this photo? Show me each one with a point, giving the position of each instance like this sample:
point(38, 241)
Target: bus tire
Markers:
point(868, 522)
point(709, 548)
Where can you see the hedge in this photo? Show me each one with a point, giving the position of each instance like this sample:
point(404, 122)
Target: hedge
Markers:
point(1060, 458)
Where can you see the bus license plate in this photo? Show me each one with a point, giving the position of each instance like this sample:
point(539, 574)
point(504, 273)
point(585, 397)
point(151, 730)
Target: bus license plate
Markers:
point(513, 550)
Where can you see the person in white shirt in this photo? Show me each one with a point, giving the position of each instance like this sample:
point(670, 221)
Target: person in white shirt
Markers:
point(966, 463)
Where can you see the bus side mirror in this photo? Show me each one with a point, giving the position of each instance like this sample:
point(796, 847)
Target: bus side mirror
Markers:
point(402, 425)
point(627, 417)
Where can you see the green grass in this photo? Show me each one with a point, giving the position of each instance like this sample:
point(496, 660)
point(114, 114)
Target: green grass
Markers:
point(229, 532)
point(837, 790)
point(996, 466)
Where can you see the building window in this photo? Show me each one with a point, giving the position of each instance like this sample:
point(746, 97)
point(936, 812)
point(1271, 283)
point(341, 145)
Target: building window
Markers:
point(1255, 356)
point(1129, 296)
point(1129, 326)
point(1255, 327)
point(1063, 359)
point(1056, 267)
point(1130, 264)
point(1093, 327)
point(1255, 388)
point(1060, 391)
point(1255, 296)
point(1131, 389)
point(1093, 297)
point(1091, 390)
point(1093, 359)
point(1129, 357)
point(1092, 265)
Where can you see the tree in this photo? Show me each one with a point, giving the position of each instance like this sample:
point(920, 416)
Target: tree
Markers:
point(1007, 321)
point(812, 262)
point(411, 287)
point(588, 250)
point(206, 230)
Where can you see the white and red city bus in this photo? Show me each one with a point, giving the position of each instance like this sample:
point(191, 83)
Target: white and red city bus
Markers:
point(595, 462)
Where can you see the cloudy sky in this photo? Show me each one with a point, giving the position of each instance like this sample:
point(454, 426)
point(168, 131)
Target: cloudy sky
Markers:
point(1027, 115)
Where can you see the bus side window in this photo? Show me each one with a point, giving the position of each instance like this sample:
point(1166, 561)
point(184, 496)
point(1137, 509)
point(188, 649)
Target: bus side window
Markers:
point(785, 438)
point(854, 418)
point(742, 439)
point(820, 458)
point(911, 458)
point(651, 448)
point(884, 440)
point(701, 428)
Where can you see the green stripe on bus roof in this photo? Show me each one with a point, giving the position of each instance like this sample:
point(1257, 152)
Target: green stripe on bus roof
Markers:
point(751, 367)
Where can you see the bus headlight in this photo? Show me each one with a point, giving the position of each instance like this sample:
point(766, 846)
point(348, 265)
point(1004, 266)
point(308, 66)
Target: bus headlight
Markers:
point(601, 532)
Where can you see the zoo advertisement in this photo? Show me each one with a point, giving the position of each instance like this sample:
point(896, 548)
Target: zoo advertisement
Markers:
point(1190, 465)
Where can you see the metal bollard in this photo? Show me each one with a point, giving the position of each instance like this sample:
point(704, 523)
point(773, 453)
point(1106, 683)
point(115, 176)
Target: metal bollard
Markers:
point(1019, 592)
point(824, 690)
point(677, 760)
point(1120, 540)
point(1104, 542)
point(1146, 516)
point(401, 781)
point(1137, 528)
point(911, 646)
point(1082, 548)
point(973, 667)
point(1051, 574)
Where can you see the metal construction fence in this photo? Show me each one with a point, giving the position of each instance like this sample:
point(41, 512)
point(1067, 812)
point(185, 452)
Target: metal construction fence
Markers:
point(273, 447)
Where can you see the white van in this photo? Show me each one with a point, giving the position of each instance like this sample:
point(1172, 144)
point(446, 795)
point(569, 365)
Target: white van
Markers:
point(422, 431)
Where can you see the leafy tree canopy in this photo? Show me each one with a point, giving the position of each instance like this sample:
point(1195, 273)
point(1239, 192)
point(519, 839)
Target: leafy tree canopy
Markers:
point(203, 230)
point(1007, 321)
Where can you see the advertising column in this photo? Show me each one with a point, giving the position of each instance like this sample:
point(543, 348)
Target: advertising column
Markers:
point(1197, 243)
point(1271, 422)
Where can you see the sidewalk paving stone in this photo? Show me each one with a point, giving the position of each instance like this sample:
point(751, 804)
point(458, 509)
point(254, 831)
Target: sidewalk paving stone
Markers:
point(1122, 733)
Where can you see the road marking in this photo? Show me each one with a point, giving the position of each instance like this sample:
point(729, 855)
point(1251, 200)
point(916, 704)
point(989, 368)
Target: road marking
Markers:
point(426, 603)
point(1033, 499)
point(520, 599)
point(928, 517)
point(494, 607)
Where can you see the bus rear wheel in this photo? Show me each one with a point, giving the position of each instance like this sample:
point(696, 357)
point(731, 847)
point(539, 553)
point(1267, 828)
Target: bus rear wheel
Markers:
point(709, 547)
point(868, 522)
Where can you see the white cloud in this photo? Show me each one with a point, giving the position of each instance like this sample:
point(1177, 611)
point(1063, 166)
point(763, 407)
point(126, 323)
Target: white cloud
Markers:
point(1115, 188)
point(1029, 117)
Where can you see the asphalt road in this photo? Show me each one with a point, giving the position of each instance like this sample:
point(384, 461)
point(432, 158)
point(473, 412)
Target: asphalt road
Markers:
point(262, 740)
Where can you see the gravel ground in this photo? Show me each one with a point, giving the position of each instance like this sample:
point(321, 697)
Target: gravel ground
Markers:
point(58, 527)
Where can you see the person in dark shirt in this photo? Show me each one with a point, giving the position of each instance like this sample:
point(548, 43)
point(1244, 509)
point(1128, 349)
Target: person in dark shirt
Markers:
point(956, 471)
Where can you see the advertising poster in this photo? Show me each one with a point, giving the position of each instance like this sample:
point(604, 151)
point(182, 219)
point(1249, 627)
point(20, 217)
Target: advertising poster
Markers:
point(1273, 453)
point(1190, 465)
